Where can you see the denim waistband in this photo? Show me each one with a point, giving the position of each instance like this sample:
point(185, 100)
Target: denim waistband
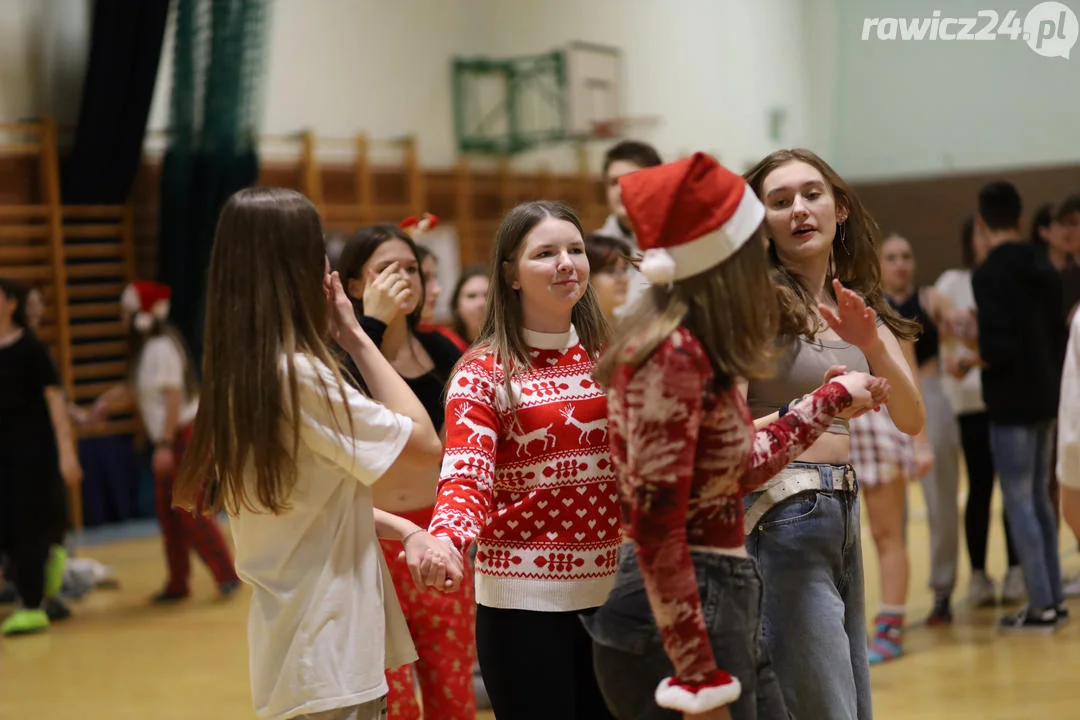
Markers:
point(703, 560)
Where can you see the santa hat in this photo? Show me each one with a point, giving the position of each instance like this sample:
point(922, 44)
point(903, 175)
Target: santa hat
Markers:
point(415, 225)
point(688, 216)
point(148, 302)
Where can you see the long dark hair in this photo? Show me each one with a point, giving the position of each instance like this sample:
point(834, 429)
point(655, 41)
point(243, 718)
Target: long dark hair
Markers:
point(17, 291)
point(358, 250)
point(1043, 219)
point(854, 260)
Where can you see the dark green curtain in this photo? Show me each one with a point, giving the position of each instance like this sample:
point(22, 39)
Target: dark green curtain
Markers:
point(218, 53)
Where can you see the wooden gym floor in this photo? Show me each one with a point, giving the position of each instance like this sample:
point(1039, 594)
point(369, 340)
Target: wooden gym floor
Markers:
point(120, 659)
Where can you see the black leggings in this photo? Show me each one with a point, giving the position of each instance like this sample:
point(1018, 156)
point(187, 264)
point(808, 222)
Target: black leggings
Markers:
point(537, 665)
point(24, 567)
point(975, 439)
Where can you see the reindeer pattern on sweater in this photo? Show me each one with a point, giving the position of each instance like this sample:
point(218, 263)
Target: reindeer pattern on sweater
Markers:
point(531, 480)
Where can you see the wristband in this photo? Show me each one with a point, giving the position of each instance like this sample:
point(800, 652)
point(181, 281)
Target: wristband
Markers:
point(786, 407)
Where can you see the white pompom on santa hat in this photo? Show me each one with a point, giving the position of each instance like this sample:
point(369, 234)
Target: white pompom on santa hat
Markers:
point(688, 216)
point(417, 225)
point(148, 303)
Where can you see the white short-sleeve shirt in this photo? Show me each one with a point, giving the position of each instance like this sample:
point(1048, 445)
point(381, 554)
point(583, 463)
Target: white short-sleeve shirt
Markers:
point(965, 396)
point(324, 622)
point(161, 368)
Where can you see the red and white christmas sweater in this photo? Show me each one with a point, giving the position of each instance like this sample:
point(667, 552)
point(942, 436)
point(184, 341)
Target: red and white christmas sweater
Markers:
point(532, 484)
point(686, 455)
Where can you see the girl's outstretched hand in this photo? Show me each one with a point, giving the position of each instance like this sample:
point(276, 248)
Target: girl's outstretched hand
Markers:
point(852, 320)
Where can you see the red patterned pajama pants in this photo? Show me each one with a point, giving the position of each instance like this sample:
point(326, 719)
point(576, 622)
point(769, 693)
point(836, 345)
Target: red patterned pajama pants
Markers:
point(183, 531)
point(443, 627)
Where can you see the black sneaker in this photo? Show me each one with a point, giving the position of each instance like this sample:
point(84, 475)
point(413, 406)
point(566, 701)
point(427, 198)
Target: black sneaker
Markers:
point(1030, 621)
point(56, 609)
point(941, 614)
point(168, 597)
point(1062, 614)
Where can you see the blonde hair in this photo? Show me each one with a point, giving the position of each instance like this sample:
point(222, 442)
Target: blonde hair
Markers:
point(266, 303)
point(731, 309)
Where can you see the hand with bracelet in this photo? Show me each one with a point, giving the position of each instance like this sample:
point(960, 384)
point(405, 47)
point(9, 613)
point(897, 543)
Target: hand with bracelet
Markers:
point(431, 561)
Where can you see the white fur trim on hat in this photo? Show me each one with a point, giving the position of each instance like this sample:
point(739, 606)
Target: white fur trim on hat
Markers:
point(129, 299)
point(675, 697)
point(658, 266)
point(143, 322)
point(709, 250)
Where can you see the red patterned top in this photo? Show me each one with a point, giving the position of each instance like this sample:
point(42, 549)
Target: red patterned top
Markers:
point(685, 456)
point(533, 485)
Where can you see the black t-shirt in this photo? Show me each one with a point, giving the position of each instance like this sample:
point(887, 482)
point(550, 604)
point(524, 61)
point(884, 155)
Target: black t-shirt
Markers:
point(927, 343)
point(1022, 334)
point(32, 494)
point(25, 371)
point(1070, 285)
point(429, 388)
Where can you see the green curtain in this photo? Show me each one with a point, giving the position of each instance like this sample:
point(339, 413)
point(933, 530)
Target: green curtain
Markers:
point(218, 54)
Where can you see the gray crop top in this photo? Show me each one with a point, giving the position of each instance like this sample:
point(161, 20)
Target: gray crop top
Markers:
point(801, 371)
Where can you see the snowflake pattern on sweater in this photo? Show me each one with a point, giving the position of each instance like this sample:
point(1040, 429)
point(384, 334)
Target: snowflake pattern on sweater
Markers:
point(535, 485)
point(685, 457)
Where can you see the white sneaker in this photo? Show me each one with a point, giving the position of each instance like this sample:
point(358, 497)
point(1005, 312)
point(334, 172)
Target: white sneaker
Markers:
point(1013, 589)
point(981, 591)
point(1072, 588)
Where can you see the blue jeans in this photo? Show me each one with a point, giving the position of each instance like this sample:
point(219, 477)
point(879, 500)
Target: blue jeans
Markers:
point(1022, 457)
point(629, 658)
point(810, 558)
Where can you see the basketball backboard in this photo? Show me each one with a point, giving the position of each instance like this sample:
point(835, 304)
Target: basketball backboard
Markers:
point(594, 86)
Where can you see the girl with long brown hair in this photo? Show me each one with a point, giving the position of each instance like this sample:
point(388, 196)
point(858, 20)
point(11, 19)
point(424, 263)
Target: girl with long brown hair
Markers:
point(527, 472)
point(383, 276)
point(686, 451)
point(291, 451)
point(803, 526)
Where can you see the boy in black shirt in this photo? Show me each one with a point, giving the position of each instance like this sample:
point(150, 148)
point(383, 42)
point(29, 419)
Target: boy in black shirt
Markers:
point(1021, 340)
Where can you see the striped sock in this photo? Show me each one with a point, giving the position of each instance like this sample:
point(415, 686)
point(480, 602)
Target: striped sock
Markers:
point(888, 641)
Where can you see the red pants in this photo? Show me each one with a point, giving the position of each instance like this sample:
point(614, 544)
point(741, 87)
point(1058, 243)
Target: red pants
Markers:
point(182, 530)
point(443, 627)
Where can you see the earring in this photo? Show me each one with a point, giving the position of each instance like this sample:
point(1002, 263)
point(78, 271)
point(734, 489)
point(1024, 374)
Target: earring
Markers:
point(843, 239)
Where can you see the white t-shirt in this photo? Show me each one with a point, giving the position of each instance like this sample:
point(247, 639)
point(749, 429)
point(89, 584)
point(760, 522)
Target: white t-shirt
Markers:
point(324, 622)
point(161, 368)
point(1068, 468)
point(965, 396)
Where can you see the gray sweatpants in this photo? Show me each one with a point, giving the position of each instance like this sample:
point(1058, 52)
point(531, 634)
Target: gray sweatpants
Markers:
point(940, 487)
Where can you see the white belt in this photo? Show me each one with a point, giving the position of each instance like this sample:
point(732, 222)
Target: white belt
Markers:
point(793, 481)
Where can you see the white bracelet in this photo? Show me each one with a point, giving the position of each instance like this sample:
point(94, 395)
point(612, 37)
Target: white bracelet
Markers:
point(409, 535)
